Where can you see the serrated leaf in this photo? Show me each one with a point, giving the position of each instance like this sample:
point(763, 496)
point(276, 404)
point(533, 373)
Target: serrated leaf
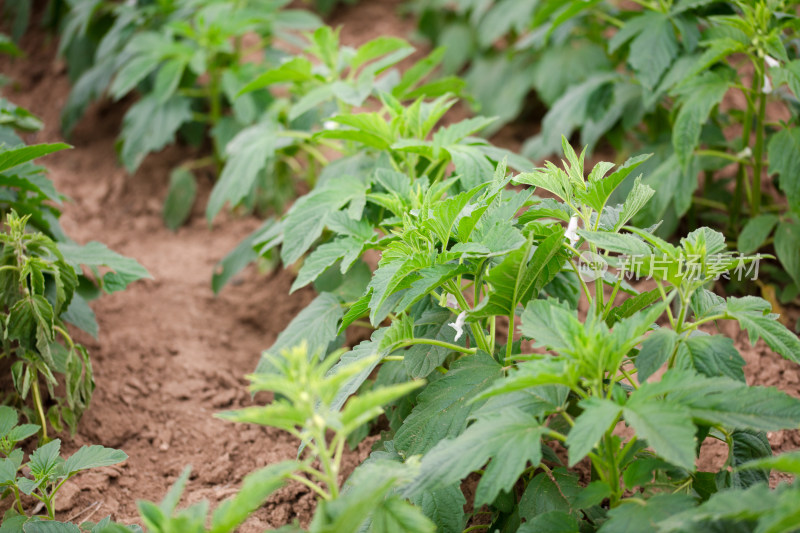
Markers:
point(597, 417)
point(305, 221)
point(149, 125)
point(324, 256)
point(444, 406)
point(93, 457)
point(783, 153)
point(655, 351)
point(712, 356)
point(507, 442)
point(701, 95)
point(316, 325)
point(126, 270)
point(667, 427)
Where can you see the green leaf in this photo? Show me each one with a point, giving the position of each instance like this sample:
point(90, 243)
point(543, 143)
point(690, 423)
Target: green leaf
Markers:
point(550, 522)
point(787, 247)
point(712, 356)
point(48, 526)
point(306, 220)
point(241, 256)
point(444, 406)
point(45, 461)
point(92, 457)
point(10, 158)
point(297, 69)
point(316, 325)
point(518, 279)
point(654, 48)
point(149, 125)
point(655, 351)
point(597, 417)
point(8, 419)
point(667, 427)
point(783, 153)
point(700, 96)
point(132, 73)
point(94, 254)
point(422, 359)
point(429, 279)
point(326, 255)
point(168, 78)
point(551, 325)
point(639, 518)
point(623, 243)
point(256, 487)
point(545, 494)
point(755, 232)
point(598, 191)
point(633, 305)
point(766, 326)
point(376, 48)
point(248, 154)
point(788, 462)
point(395, 514)
point(180, 198)
point(445, 507)
point(507, 442)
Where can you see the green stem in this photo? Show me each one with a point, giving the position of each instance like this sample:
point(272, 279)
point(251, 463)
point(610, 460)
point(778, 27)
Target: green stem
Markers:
point(310, 484)
point(37, 400)
point(741, 173)
point(758, 152)
point(434, 342)
point(613, 474)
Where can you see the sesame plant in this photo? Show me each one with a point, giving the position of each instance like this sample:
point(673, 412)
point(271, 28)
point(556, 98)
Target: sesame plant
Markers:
point(332, 83)
point(325, 81)
point(43, 476)
point(477, 291)
point(691, 82)
point(188, 60)
point(306, 392)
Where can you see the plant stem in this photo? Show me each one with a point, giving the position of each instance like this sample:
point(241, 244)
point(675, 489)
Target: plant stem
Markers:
point(310, 484)
point(758, 152)
point(37, 400)
point(434, 342)
point(741, 173)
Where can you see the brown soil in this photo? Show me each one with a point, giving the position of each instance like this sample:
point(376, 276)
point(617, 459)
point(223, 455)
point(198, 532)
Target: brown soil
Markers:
point(170, 353)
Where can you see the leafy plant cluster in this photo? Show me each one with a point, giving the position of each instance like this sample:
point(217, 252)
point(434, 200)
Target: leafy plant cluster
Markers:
point(689, 81)
point(44, 284)
point(477, 293)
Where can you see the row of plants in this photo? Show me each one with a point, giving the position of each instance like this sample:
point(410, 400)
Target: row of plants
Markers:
point(47, 281)
point(709, 87)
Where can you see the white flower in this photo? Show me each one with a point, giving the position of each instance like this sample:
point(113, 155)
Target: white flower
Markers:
point(330, 125)
point(772, 62)
point(458, 325)
point(767, 88)
point(747, 153)
point(572, 229)
point(451, 301)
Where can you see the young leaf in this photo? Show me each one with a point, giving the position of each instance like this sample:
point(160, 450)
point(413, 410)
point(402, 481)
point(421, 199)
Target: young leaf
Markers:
point(92, 457)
